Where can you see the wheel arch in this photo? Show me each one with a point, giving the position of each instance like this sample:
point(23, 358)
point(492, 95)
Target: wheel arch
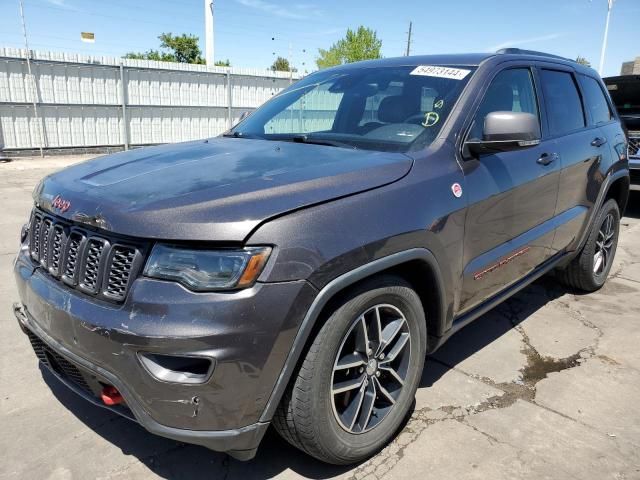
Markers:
point(418, 266)
point(619, 191)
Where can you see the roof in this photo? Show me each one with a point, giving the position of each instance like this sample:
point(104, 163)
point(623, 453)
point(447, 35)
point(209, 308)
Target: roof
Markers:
point(461, 59)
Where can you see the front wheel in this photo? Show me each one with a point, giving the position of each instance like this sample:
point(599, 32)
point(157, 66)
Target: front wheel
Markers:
point(359, 377)
point(589, 270)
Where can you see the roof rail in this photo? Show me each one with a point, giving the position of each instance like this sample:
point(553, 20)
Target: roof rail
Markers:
point(520, 51)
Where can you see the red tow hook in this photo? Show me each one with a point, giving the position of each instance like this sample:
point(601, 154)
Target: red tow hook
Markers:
point(111, 396)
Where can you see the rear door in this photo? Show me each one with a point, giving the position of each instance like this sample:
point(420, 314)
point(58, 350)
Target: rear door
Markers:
point(512, 197)
point(577, 121)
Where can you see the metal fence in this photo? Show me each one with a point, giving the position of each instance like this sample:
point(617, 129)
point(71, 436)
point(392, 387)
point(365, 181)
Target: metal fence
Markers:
point(78, 101)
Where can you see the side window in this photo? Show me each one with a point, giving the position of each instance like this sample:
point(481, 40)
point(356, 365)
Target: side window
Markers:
point(595, 100)
point(510, 91)
point(562, 100)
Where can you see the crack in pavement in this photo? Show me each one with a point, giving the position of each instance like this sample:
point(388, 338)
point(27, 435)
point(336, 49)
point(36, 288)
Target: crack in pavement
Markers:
point(537, 368)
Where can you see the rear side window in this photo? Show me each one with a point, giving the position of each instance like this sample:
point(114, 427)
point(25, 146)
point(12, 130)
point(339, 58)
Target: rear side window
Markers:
point(510, 91)
point(594, 100)
point(561, 97)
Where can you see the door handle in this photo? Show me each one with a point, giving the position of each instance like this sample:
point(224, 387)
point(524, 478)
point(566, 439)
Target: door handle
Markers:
point(547, 158)
point(598, 142)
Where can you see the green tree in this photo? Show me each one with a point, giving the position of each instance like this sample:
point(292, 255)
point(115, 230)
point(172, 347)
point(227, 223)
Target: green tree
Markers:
point(362, 44)
point(223, 63)
point(583, 61)
point(281, 64)
point(175, 48)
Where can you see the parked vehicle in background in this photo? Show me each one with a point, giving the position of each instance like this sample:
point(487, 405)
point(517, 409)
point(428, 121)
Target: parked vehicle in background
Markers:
point(625, 93)
point(297, 271)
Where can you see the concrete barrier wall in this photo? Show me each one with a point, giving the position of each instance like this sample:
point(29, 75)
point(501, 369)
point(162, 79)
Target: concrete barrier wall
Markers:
point(84, 102)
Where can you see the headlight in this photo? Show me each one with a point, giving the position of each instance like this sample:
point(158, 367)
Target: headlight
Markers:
point(207, 270)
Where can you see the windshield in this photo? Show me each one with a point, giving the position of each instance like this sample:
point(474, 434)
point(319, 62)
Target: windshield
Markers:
point(378, 108)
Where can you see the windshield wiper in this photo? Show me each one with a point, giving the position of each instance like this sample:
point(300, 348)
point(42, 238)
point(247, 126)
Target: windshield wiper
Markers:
point(320, 141)
point(235, 134)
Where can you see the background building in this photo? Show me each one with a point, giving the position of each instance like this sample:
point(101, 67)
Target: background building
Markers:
point(631, 68)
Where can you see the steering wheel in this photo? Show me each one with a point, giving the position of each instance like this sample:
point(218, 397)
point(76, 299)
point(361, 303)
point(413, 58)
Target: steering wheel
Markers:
point(416, 118)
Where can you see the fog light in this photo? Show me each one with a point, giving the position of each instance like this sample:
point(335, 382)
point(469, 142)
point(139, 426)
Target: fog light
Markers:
point(178, 368)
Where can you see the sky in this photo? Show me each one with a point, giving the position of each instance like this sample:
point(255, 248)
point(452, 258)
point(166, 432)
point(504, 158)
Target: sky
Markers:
point(252, 33)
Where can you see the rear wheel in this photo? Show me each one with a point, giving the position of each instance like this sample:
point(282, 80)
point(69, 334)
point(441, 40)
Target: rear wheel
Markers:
point(589, 270)
point(359, 377)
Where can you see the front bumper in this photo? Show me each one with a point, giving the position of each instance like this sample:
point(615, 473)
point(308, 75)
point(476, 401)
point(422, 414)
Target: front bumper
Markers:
point(248, 333)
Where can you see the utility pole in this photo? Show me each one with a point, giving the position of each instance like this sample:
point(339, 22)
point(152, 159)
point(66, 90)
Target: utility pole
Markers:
point(606, 35)
point(409, 40)
point(34, 86)
point(208, 32)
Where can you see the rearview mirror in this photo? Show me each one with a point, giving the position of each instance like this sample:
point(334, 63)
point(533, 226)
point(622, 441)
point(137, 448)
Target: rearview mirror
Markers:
point(505, 131)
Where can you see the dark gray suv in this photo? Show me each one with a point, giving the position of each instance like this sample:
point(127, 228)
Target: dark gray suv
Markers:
point(297, 270)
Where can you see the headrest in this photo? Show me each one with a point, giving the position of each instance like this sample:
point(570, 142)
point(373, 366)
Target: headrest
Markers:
point(395, 109)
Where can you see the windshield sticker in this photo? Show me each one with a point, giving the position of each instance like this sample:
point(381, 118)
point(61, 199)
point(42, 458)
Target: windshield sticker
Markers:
point(440, 72)
point(439, 104)
point(430, 119)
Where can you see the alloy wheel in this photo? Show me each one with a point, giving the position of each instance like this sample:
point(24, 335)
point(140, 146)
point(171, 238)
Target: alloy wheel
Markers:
point(604, 245)
point(370, 368)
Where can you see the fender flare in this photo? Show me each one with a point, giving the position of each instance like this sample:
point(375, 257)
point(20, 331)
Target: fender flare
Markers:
point(327, 293)
point(604, 191)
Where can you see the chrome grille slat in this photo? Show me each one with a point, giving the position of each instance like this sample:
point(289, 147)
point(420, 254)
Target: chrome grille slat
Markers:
point(71, 258)
point(34, 241)
point(95, 265)
point(119, 271)
point(634, 144)
point(45, 230)
point(94, 251)
point(56, 249)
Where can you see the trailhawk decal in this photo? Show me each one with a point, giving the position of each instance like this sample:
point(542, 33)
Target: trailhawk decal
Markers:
point(501, 263)
point(440, 72)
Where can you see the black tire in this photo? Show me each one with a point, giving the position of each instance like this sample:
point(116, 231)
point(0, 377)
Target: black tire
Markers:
point(306, 418)
point(580, 273)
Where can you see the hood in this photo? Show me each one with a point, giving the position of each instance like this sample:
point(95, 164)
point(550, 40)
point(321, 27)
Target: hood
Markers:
point(216, 190)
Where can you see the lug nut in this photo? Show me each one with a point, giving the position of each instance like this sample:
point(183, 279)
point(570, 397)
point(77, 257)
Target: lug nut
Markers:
point(361, 370)
point(381, 357)
point(378, 373)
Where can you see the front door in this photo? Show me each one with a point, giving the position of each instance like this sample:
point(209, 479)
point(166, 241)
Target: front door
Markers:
point(512, 198)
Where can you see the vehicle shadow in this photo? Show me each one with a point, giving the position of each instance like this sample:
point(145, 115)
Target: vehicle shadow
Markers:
point(633, 205)
point(493, 325)
point(175, 460)
point(171, 459)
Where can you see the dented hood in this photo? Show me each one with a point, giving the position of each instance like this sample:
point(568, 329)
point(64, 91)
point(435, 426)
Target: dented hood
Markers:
point(216, 190)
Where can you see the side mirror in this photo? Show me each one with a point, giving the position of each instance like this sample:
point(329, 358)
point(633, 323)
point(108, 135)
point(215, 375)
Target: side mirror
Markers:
point(505, 131)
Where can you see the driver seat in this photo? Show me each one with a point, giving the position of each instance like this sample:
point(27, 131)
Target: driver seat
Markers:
point(397, 108)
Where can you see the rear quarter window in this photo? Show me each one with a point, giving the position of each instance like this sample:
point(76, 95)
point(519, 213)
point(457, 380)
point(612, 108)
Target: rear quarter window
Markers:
point(595, 101)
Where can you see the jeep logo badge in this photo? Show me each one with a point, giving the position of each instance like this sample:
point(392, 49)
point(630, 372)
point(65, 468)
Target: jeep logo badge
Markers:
point(60, 204)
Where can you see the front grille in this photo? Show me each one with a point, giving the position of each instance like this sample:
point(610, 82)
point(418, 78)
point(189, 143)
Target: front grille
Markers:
point(93, 263)
point(634, 144)
point(58, 363)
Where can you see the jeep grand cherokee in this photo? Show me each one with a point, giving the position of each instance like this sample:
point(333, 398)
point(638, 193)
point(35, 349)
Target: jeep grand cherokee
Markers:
point(296, 271)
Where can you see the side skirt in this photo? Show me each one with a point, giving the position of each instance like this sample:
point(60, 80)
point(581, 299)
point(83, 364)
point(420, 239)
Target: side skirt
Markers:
point(464, 320)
